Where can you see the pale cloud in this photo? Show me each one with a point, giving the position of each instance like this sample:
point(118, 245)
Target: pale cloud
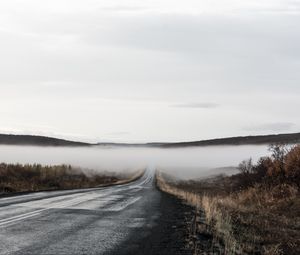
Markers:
point(271, 127)
point(93, 67)
point(204, 105)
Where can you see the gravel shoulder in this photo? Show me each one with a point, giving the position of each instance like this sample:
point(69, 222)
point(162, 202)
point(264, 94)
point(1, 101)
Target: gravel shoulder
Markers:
point(169, 234)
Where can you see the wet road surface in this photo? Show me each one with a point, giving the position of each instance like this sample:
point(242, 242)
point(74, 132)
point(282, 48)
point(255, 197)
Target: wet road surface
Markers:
point(133, 218)
point(93, 221)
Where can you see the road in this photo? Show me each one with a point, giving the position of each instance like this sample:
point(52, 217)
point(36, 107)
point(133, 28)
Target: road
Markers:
point(89, 221)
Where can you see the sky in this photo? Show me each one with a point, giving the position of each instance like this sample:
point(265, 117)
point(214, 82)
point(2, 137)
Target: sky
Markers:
point(146, 71)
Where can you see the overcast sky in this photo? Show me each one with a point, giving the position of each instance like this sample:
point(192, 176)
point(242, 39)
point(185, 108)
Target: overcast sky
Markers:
point(141, 70)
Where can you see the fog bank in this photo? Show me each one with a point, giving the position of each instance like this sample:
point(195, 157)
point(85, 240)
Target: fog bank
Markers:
point(193, 162)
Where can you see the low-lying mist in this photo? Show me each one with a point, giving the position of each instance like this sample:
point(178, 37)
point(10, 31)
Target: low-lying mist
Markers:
point(187, 163)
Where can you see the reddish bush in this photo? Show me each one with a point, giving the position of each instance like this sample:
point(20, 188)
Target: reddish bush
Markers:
point(292, 165)
point(283, 166)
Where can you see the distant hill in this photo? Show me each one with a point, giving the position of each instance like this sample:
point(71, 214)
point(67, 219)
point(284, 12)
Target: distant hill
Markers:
point(242, 140)
point(37, 140)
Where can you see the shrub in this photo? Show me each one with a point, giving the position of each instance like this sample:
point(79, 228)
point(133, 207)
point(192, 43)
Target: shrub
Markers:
point(292, 165)
point(17, 177)
point(283, 166)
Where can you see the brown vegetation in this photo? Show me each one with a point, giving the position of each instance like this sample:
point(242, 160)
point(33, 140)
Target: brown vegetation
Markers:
point(254, 212)
point(23, 178)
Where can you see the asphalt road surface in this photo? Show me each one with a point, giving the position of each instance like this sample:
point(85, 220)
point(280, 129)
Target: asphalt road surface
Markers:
point(111, 220)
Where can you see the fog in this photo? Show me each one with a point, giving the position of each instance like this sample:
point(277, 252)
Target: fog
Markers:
point(186, 163)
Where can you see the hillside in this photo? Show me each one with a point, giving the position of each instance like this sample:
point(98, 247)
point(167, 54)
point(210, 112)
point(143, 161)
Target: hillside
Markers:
point(37, 140)
point(242, 140)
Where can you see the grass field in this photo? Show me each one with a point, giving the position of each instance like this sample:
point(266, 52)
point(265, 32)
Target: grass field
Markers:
point(254, 212)
point(26, 178)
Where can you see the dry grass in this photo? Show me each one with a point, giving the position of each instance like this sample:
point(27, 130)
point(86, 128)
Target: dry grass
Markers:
point(24, 178)
point(254, 212)
point(256, 220)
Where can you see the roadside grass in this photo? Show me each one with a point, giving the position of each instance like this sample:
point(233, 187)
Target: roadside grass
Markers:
point(254, 212)
point(36, 177)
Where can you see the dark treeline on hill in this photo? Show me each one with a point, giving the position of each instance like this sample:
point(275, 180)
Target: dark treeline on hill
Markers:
point(37, 140)
point(242, 140)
